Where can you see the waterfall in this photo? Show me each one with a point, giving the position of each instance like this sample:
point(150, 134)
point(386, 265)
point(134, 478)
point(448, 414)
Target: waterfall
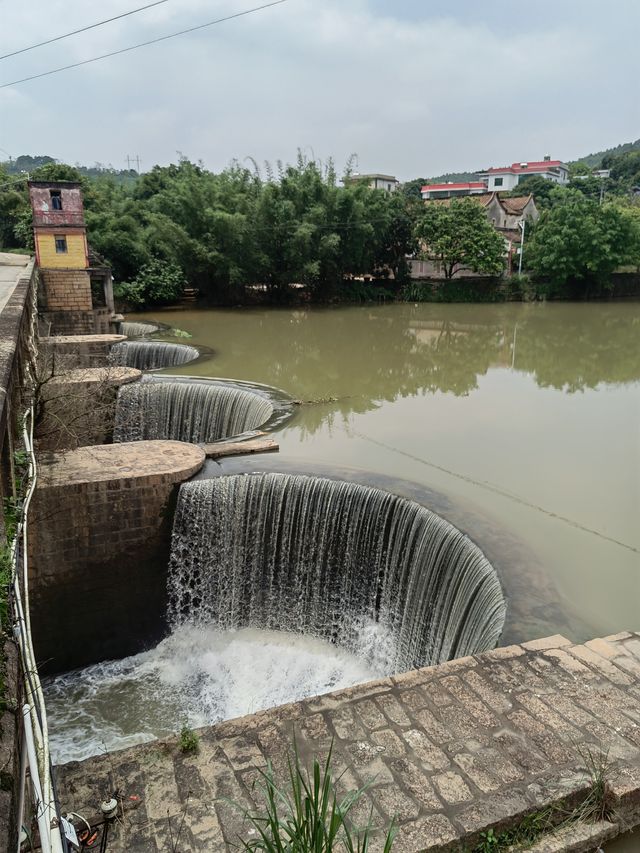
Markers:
point(137, 329)
point(151, 355)
point(329, 558)
point(196, 411)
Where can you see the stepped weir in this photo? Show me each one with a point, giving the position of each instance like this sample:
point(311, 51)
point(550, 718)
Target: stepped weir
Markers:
point(380, 576)
point(137, 329)
point(151, 355)
point(197, 411)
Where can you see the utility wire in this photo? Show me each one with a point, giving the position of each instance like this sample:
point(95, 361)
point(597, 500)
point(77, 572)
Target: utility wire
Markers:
point(83, 29)
point(145, 43)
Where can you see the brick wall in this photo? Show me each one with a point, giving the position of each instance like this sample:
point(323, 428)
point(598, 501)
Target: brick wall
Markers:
point(65, 290)
point(99, 548)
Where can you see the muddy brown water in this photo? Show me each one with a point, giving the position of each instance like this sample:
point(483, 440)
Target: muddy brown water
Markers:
point(527, 416)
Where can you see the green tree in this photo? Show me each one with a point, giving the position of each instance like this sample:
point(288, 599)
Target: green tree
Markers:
point(459, 237)
point(157, 283)
point(578, 240)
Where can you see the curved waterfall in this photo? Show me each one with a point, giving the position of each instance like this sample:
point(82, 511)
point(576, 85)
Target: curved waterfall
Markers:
point(151, 355)
point(332, 559)
point(194, 411)
point(137, 329)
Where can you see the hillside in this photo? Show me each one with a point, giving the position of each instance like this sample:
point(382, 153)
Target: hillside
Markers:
point(594, 160)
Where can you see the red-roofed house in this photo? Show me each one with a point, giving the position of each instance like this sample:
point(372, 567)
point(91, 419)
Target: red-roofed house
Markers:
point(451, 190)
point(507, 177)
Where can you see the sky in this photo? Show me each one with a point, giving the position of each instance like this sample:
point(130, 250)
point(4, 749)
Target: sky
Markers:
point(414, 88)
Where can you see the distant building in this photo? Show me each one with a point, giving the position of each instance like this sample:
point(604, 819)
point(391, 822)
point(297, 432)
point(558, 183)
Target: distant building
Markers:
point(505, 178)
point(389, 183)
point(77, 291)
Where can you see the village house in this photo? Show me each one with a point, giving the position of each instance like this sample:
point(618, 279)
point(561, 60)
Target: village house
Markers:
point(376, 181)
point(505, 178)
point(507, 215)
point(500, 179)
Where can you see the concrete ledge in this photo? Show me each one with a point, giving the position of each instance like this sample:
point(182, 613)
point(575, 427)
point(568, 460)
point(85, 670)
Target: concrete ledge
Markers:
point(62, 341)
point(449, 751)
point(166, 461)
point(98, 376)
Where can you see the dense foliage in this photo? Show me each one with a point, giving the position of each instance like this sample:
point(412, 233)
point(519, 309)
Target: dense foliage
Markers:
point(459, 237)
point(581, 241)
point(228, 233)
point(240, 235)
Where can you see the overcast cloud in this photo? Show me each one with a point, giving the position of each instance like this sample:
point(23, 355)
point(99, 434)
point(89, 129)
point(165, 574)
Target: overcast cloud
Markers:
point(414, 87)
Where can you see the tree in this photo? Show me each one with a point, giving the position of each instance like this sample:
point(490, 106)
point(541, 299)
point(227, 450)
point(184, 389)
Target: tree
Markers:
point(540, 188)
point(579, 240)
point(459, 237)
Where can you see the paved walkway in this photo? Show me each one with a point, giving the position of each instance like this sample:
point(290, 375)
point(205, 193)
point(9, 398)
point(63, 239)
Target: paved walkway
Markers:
point(448, 750)
point(11, 268)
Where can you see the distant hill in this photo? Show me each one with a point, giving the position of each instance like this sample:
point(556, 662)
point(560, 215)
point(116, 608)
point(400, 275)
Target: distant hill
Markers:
point(28, 163)
point(453, 177)
point(594, 160)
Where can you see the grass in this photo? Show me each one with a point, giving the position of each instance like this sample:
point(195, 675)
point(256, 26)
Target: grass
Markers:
point(597, 805)
point(306, 815)
point(189, 741)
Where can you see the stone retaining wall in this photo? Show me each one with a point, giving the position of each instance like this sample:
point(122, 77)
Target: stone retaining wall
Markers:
point(447, 752)
point(100, 528)
point(78, 407)
point(70, 351)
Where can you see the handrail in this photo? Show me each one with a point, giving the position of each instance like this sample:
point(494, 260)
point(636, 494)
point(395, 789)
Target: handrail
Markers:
point(35, 716)
point(35, 754)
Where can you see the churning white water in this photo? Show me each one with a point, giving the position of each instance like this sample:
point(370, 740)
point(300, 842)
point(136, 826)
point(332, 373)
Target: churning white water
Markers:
point(281, 587)
point(196, 676)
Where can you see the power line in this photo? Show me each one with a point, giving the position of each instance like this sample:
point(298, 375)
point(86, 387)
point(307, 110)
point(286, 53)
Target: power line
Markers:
point(145, 43)
point(83, 29)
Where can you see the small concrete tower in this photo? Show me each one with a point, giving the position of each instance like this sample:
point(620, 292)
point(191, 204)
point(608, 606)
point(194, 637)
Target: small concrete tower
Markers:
point(62, 255)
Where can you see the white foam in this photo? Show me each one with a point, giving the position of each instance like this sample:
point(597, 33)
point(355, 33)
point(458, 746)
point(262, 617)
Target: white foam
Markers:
point(197, 676)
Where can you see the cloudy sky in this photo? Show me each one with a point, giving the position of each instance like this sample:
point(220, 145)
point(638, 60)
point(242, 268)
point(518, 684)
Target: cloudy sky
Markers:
point(413, 87)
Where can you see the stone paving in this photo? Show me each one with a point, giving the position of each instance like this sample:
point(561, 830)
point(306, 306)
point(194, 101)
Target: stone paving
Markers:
point(12, 268)
point(447, 751)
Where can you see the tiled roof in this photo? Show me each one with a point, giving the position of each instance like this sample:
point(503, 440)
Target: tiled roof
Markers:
point(475, 185)
point(517, 204)
point(531, 166)
point(480, 198)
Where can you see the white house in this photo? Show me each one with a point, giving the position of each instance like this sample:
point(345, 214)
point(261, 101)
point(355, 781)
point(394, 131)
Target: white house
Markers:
point(504, 178)
point(389, 183)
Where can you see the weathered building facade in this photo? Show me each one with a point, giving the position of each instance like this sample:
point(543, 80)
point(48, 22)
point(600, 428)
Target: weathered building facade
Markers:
point(69, 304)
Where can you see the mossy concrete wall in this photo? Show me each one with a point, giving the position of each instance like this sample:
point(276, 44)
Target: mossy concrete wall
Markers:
point(100, 526)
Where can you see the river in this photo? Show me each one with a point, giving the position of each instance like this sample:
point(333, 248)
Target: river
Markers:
point(529, 415)
point(519, 423)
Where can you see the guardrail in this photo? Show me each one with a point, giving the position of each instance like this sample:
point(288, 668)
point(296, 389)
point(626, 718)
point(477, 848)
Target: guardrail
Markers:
point(35, 755)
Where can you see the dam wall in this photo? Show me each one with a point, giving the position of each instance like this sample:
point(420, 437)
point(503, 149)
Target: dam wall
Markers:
point(99, 546)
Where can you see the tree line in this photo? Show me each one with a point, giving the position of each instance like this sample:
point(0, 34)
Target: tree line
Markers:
point(279, 230)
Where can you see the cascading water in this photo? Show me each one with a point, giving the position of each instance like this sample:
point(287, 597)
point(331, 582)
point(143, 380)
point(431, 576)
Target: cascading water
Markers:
point(331, 559)
point(137, 330)
point(194, 411)
point(151, 355)
point(284, 586)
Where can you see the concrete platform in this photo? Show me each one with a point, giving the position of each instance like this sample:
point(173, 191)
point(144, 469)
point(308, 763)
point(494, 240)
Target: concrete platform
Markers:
point(12, 268)
point(449, 751)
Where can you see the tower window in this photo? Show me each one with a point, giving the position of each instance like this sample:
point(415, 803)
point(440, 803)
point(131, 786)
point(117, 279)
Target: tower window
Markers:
point(61, 245)
point(56, 199)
